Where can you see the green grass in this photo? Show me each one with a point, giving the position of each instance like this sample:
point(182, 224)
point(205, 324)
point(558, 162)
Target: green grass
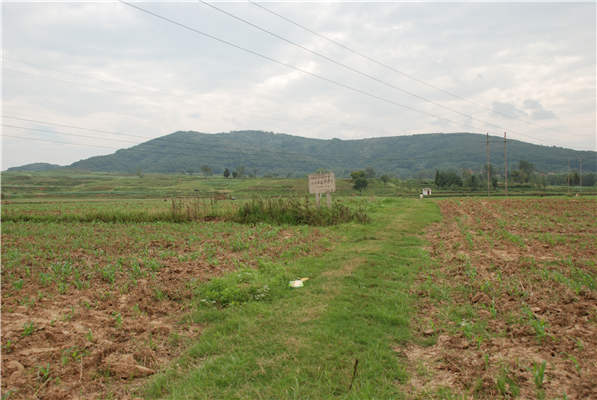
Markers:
point(281, 211)
point(302, 343)
point(75, 185)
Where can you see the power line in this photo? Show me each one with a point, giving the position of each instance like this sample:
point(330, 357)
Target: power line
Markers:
point(65, 133)
point(319, 76)
point(348, 67)
point(75, 127)
point(387, 66)
point(54, 141)
point(313, 74)
point(102, 88)
point(36, 73)
point(177, 145)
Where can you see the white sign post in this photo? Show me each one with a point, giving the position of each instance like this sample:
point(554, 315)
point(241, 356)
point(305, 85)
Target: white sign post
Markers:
point(322, 183)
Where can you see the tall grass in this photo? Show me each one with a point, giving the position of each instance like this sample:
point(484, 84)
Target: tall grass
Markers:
point(296, 212)
point(274, 211)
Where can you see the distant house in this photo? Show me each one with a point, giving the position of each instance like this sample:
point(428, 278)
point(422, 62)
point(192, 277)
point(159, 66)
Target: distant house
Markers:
point(426, 191)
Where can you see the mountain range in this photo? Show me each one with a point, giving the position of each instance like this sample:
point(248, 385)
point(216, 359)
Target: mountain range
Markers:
point(268, 153)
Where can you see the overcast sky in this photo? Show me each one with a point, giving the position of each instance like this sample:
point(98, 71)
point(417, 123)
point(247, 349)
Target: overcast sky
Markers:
point(528, 68)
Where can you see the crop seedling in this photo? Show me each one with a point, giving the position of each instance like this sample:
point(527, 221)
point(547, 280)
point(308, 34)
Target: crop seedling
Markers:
point(492, 309)
point(539, 374)
point(109, 273)
point(117, 319)
point(43, 373)
point(537, 324)
point(159, 294)
point(45, 279)
point(506, 385)
point(28, 329)
point(17, 284)
point(575, 362)
point(7, 347)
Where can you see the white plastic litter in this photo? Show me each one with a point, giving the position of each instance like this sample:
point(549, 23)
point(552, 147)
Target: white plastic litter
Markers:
point(298, 283)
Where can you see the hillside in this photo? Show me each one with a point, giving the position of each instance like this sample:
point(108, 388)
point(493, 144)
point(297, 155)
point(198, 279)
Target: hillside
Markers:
point(35, 167)
point(282, 154)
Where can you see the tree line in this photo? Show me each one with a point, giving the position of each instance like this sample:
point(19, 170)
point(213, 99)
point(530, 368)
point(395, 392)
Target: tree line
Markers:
point(525, 174)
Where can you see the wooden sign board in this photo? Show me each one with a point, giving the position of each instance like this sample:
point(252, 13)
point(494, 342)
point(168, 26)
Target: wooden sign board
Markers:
point(322, 183)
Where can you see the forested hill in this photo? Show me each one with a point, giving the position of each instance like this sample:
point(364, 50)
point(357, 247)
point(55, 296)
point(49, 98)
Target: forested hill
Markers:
point(267, 153)
point(35, 167)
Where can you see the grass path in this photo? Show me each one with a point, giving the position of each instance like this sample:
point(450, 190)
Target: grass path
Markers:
point(303, 343)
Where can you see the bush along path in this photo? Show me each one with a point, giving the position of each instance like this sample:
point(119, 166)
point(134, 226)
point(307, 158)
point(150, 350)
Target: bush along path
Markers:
point(263, 340)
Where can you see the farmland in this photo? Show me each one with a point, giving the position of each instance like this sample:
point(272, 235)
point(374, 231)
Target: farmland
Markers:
point(509, 305)
point(76, 292)
point(106, 296)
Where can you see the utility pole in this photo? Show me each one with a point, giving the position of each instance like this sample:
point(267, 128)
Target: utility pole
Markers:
point(488, 163)
point(505, 166)
point(568, 176)
point(580, 175)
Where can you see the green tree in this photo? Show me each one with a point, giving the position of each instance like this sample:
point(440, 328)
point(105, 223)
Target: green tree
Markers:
point(240, 172)
point(359, 180)
point(447, 178)
point(226, 173)
point(526, 170)
point(385, 179)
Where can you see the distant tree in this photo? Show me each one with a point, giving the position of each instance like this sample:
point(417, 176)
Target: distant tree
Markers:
point(206, 170)
point(240, 172)
point(447, 178)
point(526, 166)
point(385, 179)
point(516, 176)
point(589, 179)
point(139, 172)
point(470, 180)
point(359, 180)
point(474, 182)
point(541, 181)
point(369, 172)
point(492, 171)
point(526, 170)
point(234, 174)
point(226, 173)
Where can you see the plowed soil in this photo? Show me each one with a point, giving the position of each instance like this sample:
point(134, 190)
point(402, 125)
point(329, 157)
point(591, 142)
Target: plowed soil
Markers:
point(511, 288)
point(90, 318)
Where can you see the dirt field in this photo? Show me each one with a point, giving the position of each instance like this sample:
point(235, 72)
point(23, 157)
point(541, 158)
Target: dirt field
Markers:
point(90, 309)
point(510, 301)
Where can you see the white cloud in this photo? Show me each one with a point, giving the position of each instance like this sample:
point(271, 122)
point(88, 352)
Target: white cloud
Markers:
point(107, 66)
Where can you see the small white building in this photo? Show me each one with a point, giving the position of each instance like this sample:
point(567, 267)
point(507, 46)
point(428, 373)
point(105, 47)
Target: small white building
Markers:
point(426, 192)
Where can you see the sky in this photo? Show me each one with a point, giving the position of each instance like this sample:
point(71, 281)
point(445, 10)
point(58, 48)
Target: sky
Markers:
point(126, 76)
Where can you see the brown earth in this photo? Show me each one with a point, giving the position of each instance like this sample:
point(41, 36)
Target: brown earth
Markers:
point(103, 340)
point(512, 285)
